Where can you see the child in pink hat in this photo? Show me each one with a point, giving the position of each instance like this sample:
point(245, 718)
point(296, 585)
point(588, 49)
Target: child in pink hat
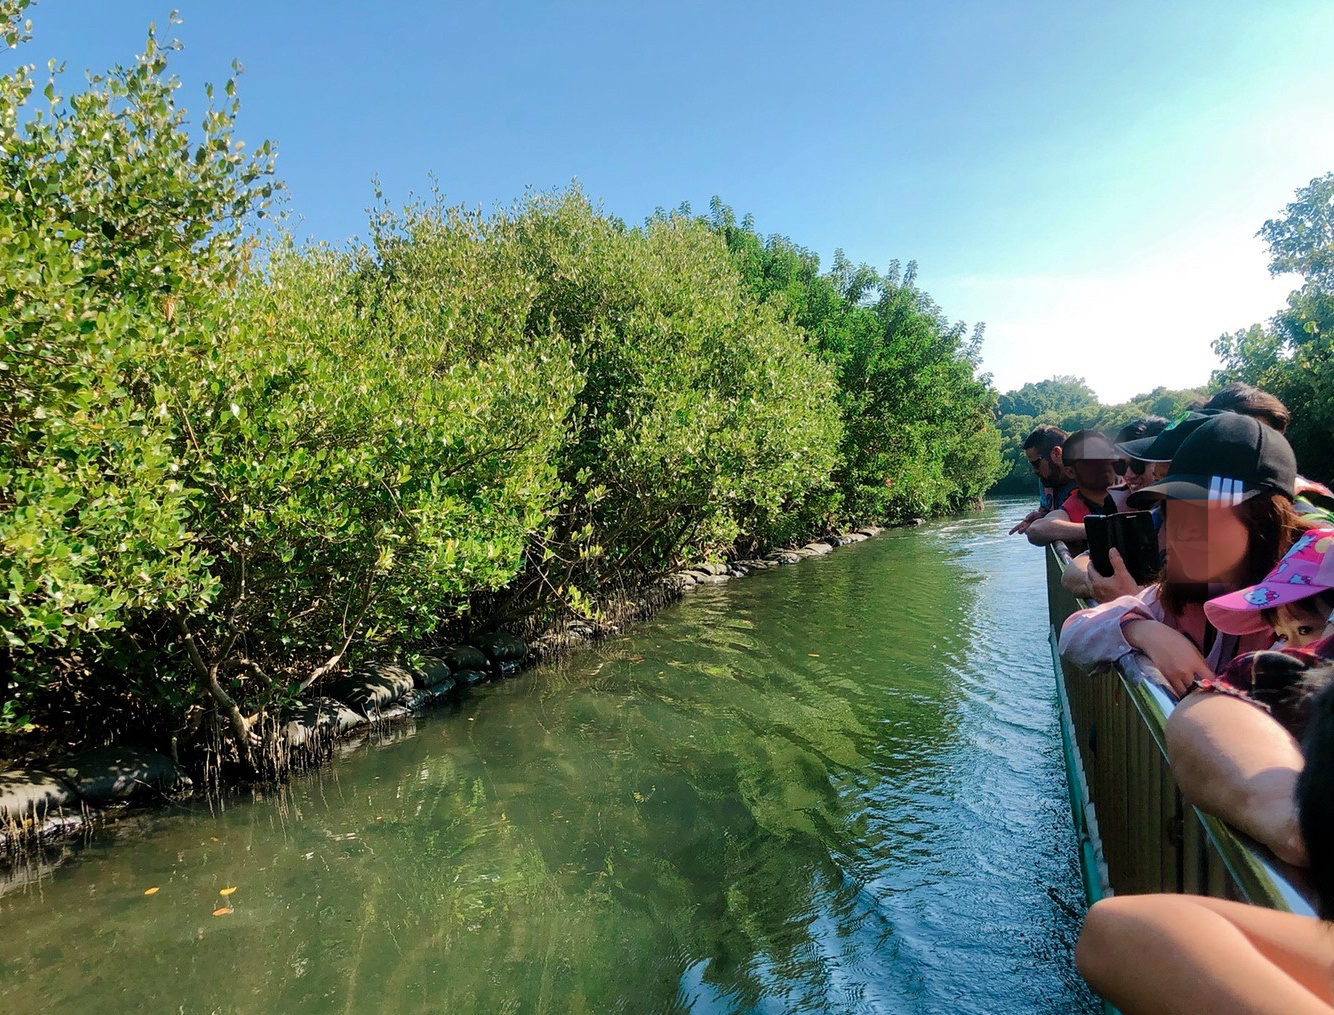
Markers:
point(1295, 599)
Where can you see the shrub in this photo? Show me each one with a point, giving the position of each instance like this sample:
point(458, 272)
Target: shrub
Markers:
point(228, 469)
point(702, 415)
point(120, 235)
point(918, 435)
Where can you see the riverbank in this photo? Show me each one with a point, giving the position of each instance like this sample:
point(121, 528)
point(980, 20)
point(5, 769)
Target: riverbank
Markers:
point(64, 798)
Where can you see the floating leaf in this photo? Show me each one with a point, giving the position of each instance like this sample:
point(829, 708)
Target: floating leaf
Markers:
point(152, 891)
point(212, 838)
point(222, 911)
point(226, 891)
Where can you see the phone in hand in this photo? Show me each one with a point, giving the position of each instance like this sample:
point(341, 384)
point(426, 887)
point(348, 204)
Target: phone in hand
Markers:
point(1133, 535)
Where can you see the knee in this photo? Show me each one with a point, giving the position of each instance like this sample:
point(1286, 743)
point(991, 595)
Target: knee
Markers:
point(1096, 938)
point(1106, 940)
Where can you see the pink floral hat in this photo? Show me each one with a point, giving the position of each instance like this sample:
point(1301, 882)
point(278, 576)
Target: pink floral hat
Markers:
point(1306, 569)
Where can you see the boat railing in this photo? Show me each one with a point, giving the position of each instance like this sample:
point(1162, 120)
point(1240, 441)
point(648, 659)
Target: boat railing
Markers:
point(1137, 833)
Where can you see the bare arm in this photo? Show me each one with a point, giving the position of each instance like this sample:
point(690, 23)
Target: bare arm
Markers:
point(1232, 760)
point(1028, 519)
point(1055, 525)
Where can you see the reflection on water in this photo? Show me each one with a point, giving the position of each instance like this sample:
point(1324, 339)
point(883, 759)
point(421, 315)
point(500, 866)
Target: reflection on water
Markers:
point(833, 787)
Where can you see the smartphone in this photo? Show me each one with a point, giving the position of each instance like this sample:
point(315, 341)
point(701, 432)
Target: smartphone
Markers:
point(1098, 534)
point(1133, 535)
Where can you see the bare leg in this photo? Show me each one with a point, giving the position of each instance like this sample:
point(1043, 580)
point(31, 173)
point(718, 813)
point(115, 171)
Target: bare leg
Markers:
point(1183, 955)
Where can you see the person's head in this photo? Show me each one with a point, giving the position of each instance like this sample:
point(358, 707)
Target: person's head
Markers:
point(1303, 622)
point(1042, 448)
point(1138, 472)
point(1091, 461)
point(1228, 504)
point(1221, 544)
point(1249, 400)
point(1315, 790)
point(1295, 599)
point(1162, 447)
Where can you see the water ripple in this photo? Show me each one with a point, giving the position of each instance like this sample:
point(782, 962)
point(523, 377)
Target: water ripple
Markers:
point(835, 787)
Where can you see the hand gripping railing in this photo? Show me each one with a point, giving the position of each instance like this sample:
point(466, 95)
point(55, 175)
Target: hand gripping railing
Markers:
point(1136, 832)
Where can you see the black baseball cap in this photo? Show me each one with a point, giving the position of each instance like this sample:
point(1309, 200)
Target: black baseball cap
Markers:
point(1162, 447)
point(1226, 460)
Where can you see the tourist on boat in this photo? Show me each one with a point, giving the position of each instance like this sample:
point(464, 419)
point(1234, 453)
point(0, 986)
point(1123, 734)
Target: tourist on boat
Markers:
point(1148, 954)
point(1136, 473)
point(1042, 448)
point(1314, 499)
point(1293, 601)
point(1091, 462)
point(1293, 605)
point(1229, 518)
point(1249, 400)
point(1157, 450)
point(1233, 748)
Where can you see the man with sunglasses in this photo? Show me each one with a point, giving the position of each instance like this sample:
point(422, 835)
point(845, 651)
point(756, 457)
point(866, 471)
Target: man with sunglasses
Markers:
point(1092, 462)
point(1042, 448)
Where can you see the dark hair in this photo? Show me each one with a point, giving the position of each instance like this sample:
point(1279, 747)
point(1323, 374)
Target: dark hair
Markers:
point(1079, 438)
point(1044, 439)
point(1271, 528)
point(1315, 790)
point(1249, 400)
point(1325, 599)
point(1149, 426)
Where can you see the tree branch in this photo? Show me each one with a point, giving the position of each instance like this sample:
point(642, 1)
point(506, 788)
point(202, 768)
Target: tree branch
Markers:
point(209, 674)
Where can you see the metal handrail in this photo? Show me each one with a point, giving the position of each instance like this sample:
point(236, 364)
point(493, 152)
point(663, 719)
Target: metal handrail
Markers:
point(1255, 875)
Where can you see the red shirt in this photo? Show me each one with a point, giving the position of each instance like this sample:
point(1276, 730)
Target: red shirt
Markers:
point(1078, 508)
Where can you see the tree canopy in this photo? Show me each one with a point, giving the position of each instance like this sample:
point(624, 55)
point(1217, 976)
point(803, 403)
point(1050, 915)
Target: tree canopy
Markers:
point(1292, 354)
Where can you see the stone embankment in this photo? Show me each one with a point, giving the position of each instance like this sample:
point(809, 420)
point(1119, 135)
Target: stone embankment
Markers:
point(67, 797)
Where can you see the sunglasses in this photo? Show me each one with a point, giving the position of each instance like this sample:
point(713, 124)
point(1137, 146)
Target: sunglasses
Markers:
point(1121, 466)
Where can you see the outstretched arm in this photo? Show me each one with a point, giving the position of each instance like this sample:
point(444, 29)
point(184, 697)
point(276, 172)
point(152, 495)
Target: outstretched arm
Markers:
point(1056, 525)
point(1028, 519)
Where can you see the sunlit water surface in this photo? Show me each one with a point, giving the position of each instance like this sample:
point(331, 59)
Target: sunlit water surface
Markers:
point(835, 787)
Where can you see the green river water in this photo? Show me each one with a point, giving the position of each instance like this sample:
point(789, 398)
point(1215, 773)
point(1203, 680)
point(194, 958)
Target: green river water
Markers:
point(833, 787)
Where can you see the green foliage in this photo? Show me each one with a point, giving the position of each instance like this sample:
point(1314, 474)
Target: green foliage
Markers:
point(1062, 397)
point(918, 435)
point(121, 234)
point(702, 415)
point(1293, 356)
point(229, 469)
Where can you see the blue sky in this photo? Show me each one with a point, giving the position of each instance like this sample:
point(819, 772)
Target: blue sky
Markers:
point(1086, 178)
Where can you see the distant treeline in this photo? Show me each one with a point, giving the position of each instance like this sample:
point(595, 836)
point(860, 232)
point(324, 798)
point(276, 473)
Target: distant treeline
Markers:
point(229, 468)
